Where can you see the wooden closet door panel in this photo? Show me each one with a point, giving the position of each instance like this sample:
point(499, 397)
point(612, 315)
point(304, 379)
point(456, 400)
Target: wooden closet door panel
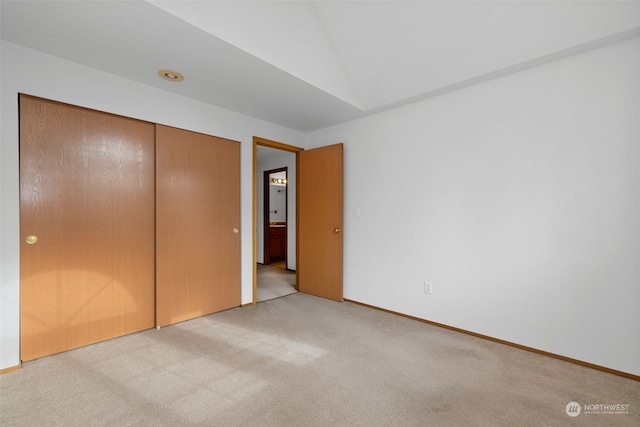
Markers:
point(197, 211)
point(87, 193)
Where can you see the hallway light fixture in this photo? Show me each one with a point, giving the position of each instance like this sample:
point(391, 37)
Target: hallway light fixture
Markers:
point(279, 181)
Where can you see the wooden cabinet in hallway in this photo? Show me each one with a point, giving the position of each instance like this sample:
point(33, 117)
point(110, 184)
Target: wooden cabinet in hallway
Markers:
point(277, 243)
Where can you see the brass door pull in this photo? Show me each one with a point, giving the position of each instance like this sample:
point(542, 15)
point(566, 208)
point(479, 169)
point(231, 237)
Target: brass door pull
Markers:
point(31, 239)
point(337, 230)
point(236, 231)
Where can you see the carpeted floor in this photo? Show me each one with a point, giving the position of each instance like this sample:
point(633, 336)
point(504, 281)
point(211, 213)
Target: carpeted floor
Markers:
point(306, 361)
point(274, 282)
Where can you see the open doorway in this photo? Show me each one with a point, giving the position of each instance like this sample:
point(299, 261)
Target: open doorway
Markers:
point(275, 212)
point(275, 203)
point(317, 237)
point(275, 278)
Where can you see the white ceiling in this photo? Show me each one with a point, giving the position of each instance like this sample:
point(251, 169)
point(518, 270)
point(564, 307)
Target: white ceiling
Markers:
point(311, 64)
point(267, 154)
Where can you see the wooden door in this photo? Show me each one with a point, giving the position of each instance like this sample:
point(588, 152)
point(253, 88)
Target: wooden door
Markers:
point(86, 193)
point(320, 222)
point(197, 224)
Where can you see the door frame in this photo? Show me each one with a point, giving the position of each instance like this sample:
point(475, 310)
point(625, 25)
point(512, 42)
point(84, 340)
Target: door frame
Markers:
point(266, 202)
point(279, 146)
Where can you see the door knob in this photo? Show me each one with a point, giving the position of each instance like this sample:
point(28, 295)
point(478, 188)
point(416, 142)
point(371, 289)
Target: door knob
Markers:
point(31, 239)
point(236, 231)
point(337, 230)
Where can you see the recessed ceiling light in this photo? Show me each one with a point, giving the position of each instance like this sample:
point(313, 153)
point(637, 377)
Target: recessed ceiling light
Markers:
point(172, 76)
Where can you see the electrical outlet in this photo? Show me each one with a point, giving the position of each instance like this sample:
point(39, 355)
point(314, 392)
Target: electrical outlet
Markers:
point(428, 287)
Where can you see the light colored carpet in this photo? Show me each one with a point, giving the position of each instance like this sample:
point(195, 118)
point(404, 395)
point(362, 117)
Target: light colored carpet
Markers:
point(307, 361)
point(274, 282)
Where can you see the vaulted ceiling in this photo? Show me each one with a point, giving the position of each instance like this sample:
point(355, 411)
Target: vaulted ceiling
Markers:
point(311, 64)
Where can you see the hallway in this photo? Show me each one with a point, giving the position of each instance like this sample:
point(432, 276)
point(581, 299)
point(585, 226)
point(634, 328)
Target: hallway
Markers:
point(275, 282)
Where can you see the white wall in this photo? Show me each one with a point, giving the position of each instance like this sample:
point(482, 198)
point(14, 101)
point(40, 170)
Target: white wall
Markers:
point(277, 203)
point(33, 73)
point(519, 198)
point(288, 160)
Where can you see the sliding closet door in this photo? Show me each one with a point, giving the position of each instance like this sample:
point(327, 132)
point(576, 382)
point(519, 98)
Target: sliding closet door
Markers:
point(197, 224)
point(86, 224)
